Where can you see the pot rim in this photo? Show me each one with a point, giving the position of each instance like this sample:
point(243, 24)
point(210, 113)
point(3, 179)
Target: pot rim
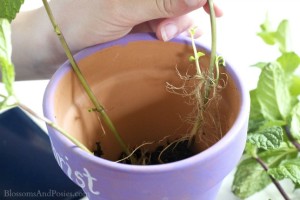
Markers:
point(200, 157)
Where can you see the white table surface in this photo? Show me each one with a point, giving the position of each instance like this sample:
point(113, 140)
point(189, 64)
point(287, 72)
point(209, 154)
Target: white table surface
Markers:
point(237, 42)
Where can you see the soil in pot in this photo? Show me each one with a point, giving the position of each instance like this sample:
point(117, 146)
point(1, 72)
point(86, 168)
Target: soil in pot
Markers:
point(171, 152)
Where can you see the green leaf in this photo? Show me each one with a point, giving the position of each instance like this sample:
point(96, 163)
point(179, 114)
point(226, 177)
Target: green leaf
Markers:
point(193, 31)
point(255, 108)
point(289, 62)
point(191, 58)
point(268, 138)
point(9, 8)
point(282, 36)
point(294, 85)
point(5, 40)
point(274, 157)
point(250, 150)
point(255, 124)
point(3, 103)
point(272, 93)
point(250, 177)
point(260, 65)
point(279, 36)
point(200, 54)
point(267, 33)
point(289, 169)
point(295, 122)
point(6, 66)
point(297, 186)
point(220, 61)
point(269, 124)
point(249, 172)
point(268, 38)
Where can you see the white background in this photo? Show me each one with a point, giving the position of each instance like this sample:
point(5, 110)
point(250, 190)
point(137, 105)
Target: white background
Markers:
point(237, 42)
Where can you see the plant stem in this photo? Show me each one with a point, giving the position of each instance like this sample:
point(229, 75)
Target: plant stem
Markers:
point(84, 83)
point(213, 37)
point(208, 81)
point(213, 50)
point(198, 119)
point(290, 137)
point(275, 182)
point(195, 55)
point(53, 125)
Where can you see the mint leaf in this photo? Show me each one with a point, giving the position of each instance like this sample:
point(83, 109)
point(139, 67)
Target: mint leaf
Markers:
point(260, 65)
point(272, 92)
point(250, 150)
point(295, 122)
point(255, 108)
point(295, 85)
point(5, 40)
point(279, 36)
point(289, 62)
point(255, 124)
point(267, 34)
point(10, 8)
point(269, 138)
point(289, 169)
point(249, 178)
point(273, 158)
point(6, 66)
point(282, 35)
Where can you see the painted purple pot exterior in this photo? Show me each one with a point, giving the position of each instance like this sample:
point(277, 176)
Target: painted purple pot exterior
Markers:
point(195, 178)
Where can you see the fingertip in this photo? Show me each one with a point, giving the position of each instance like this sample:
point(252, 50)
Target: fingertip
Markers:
point(217, 9)
point(168, 31)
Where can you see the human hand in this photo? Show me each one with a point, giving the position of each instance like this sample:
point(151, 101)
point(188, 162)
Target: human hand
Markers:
point(98, 21)
point(37, 52)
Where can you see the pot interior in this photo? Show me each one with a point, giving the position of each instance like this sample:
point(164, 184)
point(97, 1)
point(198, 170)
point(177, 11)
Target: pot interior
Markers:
point(130, 82)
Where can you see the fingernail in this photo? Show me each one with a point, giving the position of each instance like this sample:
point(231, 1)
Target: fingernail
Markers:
point(169, 31)
point(192, 3)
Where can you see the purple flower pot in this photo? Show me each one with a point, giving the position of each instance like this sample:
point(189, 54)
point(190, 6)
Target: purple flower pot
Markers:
point(194, 178)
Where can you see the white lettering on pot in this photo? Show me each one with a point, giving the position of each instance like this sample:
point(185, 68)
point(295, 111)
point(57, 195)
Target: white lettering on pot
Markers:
point(83, 177)
point(79, 179)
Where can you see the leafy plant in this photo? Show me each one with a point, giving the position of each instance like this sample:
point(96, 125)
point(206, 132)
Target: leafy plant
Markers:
point(272, 150)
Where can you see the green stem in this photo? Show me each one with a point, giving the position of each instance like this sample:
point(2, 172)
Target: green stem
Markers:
point(195, 54)
point(198, 119)
point(290, 137)
point(53, 125)
point(213, 50)
point(84, 83)
point(275, 182)
point(208, 81)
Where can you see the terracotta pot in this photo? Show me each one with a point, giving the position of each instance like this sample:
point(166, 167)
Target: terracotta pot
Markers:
point(129, 77)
